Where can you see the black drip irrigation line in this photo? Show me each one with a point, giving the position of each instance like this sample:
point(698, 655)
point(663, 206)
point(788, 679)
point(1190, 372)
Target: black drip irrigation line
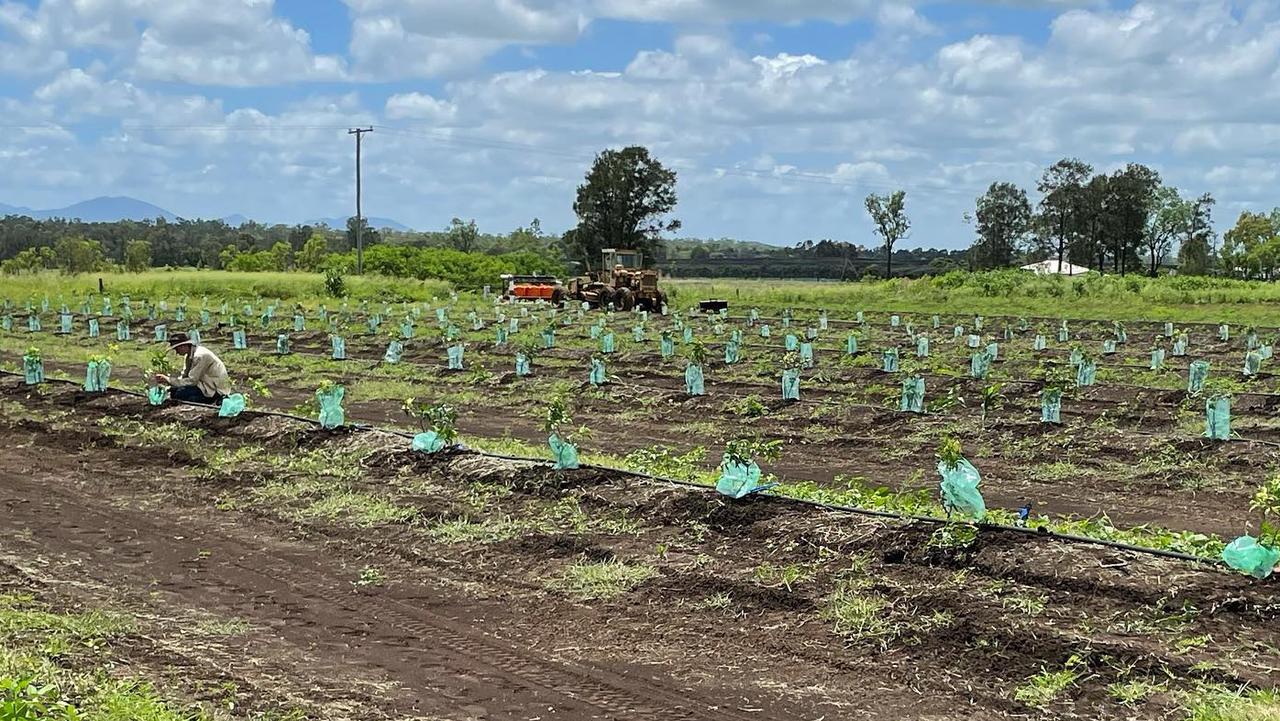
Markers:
point(932, 520)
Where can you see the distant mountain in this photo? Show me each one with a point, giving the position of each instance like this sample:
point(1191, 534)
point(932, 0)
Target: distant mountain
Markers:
point(341, 223)
point(14, 210)
point(235, 220)
point(107, 210)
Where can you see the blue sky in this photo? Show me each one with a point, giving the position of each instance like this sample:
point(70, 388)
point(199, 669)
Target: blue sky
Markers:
point(779, 117)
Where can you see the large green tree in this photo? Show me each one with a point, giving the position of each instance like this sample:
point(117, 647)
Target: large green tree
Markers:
point(137, 256)
point(1003, 217)
point(624, 203)
point(313, 252)
point(1061, 197)
point(1195, 257)
point(1170, 216)
point(1131, 198)
point(889, 214)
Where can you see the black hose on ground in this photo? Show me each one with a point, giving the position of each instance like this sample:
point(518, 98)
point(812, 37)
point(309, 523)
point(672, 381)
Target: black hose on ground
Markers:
point(1041, 533)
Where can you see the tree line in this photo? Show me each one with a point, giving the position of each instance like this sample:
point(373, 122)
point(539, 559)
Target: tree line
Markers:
point(1124, 221)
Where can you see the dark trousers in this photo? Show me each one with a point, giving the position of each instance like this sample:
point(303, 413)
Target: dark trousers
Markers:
point(192, 394)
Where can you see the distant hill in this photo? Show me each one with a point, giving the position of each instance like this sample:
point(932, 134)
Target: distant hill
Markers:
point(235, 220)
point(104, 210)
point(340, 223)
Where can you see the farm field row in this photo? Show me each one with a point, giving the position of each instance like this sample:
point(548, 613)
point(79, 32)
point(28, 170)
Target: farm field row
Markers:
point(354, 578)
point(1129, 448)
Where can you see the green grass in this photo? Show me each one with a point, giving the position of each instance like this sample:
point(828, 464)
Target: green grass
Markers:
point(1221, 703)
point(358, 509)
point(306, 288)
point(58, 667)
point(1134, 692)
point(602, 580)
point(1043, 688)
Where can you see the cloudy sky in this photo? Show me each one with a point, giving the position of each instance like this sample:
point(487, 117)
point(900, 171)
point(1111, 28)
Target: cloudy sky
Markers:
point(779, 115)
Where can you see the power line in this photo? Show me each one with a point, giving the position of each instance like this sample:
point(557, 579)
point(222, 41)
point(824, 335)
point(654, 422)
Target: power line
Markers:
point(359, 133)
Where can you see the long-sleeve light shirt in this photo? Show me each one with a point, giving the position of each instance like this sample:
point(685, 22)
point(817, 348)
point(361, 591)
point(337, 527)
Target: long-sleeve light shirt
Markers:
point(206, 371)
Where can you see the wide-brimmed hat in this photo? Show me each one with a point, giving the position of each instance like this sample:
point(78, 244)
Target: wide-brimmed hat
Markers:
point(177, 340)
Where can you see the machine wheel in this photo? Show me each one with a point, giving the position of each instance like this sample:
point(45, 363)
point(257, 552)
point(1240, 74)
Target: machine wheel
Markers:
point(625, 300)
point(557, 296)
point(662, 300)
point(606, 297)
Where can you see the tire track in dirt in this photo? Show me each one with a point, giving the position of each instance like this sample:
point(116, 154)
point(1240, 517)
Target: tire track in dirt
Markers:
point(429, 651)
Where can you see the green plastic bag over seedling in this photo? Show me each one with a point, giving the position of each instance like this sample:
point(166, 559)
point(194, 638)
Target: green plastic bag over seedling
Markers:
point(442, 315)
point(1252, 362)
point(523, 367)
point(694, 384)
point(1248, 556)
point(1217, 418)
point(764, 331)
point(957, 331)
point(548, 338)
point(1051, 405)
point(1039, 343)
point(738, 480)
point(96, 376)
point(455, 357)
point(912, 395)
point(1197, 373)
point(33, 323)
point(922, 346)
point(974, 341)
point(860, 317)
point(565, 453)
point(32, 369)
point(607, 343)
point(979, 365)
point(894, 321)
point(331, 413)
point(1168, 330)
point(513, 324)
point(959, 487)
point(232, 406)
point(806, 354)
point(851, 344)
point(977, 322)
point(339, 347)
point(822, 320)
point(637, 333)
point(666, 345)
point(395, 349)
point(791, 342)
point(937, 321)
point(889, 360)
point(1108, 347)
point(299, 323)
point(993, 351)
point(1008, 333)
point(1157, 359)
point(122, 331)
point(429, 442)
point(64, 323)
point(1224, 332)
point(598, 375)
point(238, 340)
point(1086, 373)
point(731, 352)
point(688, 335)
point(194, 336)
point(95, 328)
point(6, 323)
point(406, 330)
point(282, 344)
point(500, 336)
point(162, 333)
point(791, 384)
point(1064, 335)
point(157, 395)
point(1077, 357)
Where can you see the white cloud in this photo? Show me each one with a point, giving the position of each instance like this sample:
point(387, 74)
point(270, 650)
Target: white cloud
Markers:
point(420, 106)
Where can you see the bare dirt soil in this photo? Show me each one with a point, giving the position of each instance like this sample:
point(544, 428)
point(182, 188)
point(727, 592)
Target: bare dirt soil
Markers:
point(762, 609)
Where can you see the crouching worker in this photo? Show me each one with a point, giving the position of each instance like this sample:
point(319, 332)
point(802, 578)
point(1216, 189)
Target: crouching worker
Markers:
point(204, 375)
